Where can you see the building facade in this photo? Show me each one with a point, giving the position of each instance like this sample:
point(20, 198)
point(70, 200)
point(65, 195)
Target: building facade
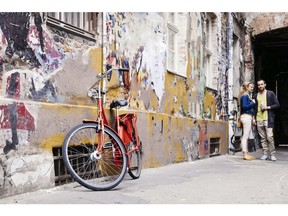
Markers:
point(185, 71)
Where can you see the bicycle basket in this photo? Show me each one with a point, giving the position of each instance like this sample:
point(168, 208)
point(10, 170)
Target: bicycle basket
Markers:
point(126, 127)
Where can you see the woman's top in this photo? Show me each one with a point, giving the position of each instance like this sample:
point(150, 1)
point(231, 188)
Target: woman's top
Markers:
point(247, 105)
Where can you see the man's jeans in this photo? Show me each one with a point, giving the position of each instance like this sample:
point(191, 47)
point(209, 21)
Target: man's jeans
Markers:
point(266, 137)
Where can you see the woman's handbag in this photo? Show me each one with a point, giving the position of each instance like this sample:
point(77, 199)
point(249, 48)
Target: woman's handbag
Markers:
point(239, 123)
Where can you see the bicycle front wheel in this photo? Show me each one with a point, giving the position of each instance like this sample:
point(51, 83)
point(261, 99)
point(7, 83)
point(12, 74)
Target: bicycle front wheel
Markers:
point(95, 169)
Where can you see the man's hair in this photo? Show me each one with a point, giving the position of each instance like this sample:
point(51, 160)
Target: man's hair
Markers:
point(261, 80)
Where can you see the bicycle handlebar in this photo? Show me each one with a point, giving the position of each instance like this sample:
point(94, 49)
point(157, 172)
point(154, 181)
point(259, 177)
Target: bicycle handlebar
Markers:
point(108, 72)
point(92, 92)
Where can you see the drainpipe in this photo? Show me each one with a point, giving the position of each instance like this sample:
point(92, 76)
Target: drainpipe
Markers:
point(230, 78)
point(104, 44)
point(104, 50)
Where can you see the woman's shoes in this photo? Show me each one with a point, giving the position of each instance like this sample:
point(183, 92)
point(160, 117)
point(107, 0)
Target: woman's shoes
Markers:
point(248, 157)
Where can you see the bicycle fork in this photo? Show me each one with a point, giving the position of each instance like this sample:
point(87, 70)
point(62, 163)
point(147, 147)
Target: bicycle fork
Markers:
point(96, 154)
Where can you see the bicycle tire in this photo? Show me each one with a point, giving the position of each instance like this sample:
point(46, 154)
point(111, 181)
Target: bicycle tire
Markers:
point(232, 139)
point(135, 165)
point(89, 168)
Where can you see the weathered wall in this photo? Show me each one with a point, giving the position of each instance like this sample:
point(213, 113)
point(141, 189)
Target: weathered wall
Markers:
point(138, 41)
point(264, 22)
point(37, 64)
point(255, 24)
point(45, 75)
point(151, 87)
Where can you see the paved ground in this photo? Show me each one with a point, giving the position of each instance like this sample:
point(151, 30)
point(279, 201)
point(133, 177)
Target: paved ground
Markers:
point(224, 179)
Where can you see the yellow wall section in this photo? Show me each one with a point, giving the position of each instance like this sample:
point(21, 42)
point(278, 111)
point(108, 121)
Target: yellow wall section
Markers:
point(96, 55)
point(164, 137)
point(175, 88)
point(209, 105)
point(55, 140)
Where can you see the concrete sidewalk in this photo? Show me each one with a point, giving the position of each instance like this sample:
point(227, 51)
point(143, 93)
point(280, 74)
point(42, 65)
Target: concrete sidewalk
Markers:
point(224, 179)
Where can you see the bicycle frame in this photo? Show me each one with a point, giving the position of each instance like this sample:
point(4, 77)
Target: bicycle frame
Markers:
point(102, 119)
point(125, 136)
point(95, 151)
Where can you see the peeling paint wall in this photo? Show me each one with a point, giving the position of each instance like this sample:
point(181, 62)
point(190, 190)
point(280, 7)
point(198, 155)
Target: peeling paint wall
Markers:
point(137, 41)
point(42, 64)
point(45, 74)
point(133, 40)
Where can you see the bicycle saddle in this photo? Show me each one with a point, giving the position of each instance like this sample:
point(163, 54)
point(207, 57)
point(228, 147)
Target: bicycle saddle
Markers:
point(118, 103)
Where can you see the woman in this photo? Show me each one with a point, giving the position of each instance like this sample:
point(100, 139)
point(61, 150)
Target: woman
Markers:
point(247, 105)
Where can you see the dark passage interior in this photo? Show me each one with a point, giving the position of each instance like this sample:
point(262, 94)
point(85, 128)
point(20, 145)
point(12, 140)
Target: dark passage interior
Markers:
point(271, 64)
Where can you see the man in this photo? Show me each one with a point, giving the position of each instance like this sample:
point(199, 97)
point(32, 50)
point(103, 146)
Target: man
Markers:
point(266, 104)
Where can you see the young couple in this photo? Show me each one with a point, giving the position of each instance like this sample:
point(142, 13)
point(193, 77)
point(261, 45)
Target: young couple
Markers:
point(261, 110)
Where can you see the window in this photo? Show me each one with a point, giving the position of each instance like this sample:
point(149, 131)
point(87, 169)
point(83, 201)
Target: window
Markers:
point(80, 23)
point(210, 51)
point(236, 65)
point(176, 43)
point(208, 31)
point(172, 36)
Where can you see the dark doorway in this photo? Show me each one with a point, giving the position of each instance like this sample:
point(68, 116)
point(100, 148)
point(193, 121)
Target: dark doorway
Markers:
point(271, 64)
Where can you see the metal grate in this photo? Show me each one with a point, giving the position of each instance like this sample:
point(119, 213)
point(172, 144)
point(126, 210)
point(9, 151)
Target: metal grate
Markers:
point(61, 174)
point(214, 146)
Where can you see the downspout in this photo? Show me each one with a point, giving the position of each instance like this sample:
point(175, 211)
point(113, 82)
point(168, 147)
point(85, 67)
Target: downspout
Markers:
point(230, 78)
point(104, 50)
point(105, 45)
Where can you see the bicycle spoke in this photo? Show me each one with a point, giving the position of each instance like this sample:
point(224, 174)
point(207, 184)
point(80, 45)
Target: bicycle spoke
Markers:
point(93, 167)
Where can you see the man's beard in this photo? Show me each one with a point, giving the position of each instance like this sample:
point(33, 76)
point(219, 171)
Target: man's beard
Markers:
point(261, 90)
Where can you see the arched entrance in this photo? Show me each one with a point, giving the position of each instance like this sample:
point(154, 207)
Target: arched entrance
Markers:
point(271, 64)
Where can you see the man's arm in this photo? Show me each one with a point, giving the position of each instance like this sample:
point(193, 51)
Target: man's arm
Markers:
point(273, 101)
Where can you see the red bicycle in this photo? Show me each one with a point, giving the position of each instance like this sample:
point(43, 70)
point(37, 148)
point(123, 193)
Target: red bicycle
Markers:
point(96, 155)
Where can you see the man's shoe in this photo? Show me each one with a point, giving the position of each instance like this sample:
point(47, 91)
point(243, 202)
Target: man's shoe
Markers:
point(264, 157)
point(273, 158)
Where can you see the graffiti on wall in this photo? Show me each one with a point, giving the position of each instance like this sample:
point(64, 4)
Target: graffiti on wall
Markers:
point(145, 54)
point(123, 76)
point(25, 41)
point(203, 138)
point(140, 39)
point(23, 45)
point(31, 54)
point(14, 118)
point(15, 28)
point(197, 146)
point(16, 123)
point(25, 38)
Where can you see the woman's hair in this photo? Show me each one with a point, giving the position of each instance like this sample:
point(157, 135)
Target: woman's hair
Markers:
point(243, 89)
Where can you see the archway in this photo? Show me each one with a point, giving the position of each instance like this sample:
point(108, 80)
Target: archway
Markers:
point(271, 64)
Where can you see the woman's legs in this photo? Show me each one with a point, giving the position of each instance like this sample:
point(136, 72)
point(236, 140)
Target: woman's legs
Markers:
point(247, 126)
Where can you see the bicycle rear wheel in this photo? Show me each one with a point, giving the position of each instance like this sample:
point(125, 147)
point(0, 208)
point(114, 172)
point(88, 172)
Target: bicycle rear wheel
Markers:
point(94, 170)
point(135, 158)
